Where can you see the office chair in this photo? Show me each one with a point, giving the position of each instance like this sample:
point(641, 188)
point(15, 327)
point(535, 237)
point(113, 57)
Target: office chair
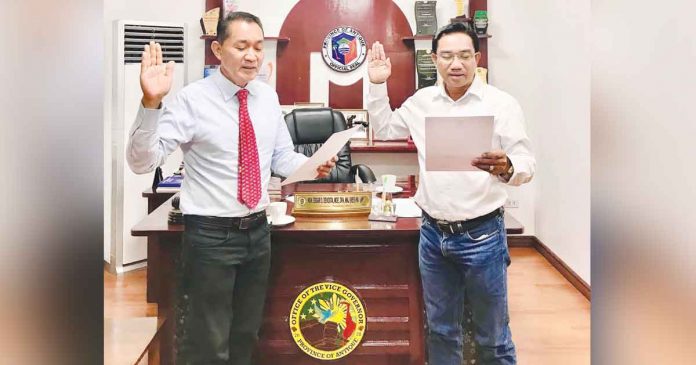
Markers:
point(310, 128)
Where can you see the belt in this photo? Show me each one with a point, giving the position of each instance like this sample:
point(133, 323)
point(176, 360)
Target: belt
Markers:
point(459, 227)
point(237, 223)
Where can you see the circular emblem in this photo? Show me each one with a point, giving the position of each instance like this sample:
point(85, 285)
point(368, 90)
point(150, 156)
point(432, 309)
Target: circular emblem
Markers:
point(344, 49)
point(327, 321)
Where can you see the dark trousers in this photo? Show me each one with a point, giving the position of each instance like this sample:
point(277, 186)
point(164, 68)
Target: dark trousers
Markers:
point(221, 289)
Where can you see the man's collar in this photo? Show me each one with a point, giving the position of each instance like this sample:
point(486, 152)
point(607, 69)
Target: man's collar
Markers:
point(476, 88)
point(228, 88)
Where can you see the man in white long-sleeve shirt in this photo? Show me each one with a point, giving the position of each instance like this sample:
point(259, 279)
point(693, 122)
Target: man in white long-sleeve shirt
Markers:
point(232, 133)
point(463, 247)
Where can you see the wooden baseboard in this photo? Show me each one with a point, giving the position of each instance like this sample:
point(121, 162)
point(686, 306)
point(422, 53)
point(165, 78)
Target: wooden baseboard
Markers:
point(555, 261)
point(564, 269)
point(521, 241)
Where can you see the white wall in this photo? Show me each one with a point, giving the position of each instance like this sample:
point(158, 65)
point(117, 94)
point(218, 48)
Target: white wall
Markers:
point(540, 54)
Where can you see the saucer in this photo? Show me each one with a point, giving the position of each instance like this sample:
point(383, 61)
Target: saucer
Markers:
point(282, 221)
point(396, 189)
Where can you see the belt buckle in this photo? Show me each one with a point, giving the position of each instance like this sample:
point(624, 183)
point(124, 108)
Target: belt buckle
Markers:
point(445, 226)
point(245, 222)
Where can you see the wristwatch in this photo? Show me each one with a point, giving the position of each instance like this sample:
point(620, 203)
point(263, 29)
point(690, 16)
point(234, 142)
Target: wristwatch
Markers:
point(511, 170)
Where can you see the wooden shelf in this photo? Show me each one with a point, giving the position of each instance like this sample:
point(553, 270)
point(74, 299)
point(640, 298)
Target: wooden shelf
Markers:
point(383, 147)
point(429, 37)
point(417, 37)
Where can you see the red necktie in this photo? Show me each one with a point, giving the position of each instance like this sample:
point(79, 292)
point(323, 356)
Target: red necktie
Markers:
point(249, 181)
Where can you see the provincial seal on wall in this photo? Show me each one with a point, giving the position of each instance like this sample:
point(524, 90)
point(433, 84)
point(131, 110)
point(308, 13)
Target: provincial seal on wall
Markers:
point(344, 49)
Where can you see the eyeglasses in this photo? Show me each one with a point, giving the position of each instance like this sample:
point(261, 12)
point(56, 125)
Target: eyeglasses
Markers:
point(463, 56)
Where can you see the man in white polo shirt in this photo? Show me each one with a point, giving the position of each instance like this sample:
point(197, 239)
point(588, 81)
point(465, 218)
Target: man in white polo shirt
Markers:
point(463, 247)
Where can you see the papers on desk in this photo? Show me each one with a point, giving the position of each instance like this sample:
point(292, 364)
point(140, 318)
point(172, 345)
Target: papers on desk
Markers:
point(168, 190)
point(173, 181)
point(172, 184)
point(452, 142)
point(405, 207)
point(329, 149)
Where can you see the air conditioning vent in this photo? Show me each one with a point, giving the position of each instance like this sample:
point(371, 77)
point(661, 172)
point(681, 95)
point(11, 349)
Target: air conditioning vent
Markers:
point(137, 36)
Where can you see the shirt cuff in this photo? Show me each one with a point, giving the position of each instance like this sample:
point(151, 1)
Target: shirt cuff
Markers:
point(378, 90)
point(148, 118)
point(517, 165)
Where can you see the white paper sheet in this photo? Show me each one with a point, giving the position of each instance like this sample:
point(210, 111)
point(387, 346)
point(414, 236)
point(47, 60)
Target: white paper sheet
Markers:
point(452, 142)
point(329, 149)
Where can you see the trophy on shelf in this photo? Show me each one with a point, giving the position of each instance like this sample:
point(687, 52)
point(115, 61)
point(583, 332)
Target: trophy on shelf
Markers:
point(209, 21)
point(426, 19)
point(481, 21)
point(461, 16)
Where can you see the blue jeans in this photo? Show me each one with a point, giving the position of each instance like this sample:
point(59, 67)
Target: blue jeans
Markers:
point(472, 264)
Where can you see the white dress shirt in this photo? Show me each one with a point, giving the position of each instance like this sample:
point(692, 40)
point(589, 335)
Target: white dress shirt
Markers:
point(457, 195)
point(204, 120)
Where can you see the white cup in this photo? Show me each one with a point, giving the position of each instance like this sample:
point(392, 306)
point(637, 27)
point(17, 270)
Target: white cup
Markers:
point(388, 183)
point(277, 210)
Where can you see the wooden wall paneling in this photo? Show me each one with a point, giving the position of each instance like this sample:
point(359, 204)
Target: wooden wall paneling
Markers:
point(343, 97)
point(210, 58)
point(483, 48)
point(380, 20)
point(377, 21)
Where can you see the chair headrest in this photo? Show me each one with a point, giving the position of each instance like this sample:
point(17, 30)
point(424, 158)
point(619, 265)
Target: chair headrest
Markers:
point(314, 125)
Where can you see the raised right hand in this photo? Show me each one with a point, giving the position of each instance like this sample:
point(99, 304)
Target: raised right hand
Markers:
point(379, 66)
point(155, 78)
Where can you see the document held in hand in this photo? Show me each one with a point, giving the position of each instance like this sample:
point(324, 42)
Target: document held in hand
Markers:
point(452, 142)
point(329, 149)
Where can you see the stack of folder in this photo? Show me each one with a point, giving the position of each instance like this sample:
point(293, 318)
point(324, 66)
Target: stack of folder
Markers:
point(170, 184)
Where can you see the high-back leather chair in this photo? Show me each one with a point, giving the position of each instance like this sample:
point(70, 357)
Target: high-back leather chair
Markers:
point(310, 128)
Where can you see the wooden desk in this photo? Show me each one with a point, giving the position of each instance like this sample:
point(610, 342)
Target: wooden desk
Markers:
point(378, 259)
point(154, 199)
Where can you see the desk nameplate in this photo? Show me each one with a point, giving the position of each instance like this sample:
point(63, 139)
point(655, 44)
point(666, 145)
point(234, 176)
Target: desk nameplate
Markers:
point(332, 204)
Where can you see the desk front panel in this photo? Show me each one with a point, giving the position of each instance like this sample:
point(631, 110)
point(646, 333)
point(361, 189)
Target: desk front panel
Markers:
point(380, 266)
